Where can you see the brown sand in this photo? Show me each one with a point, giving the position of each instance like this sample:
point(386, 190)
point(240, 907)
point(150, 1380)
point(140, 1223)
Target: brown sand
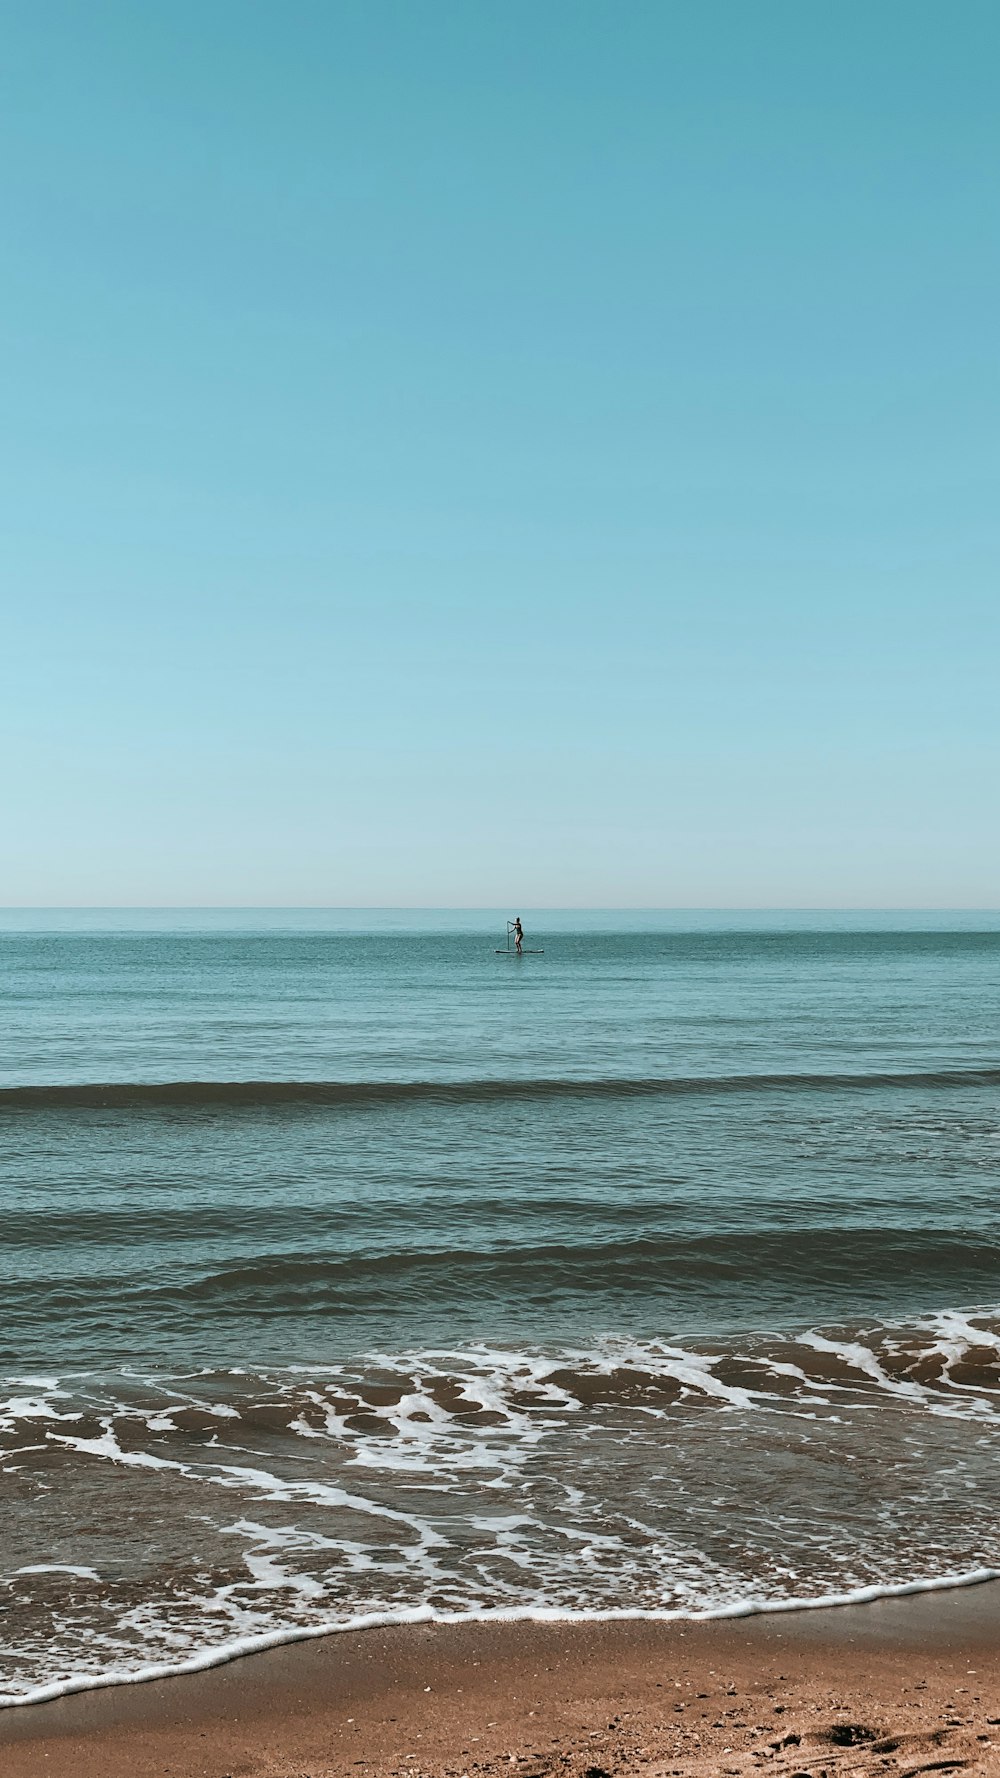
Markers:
point(905, 1686)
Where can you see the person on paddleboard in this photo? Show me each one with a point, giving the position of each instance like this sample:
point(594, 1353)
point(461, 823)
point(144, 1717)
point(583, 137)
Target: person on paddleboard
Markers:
point(518, 933)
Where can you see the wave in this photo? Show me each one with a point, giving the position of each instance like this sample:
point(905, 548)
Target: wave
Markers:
point(642, 1261)
point(596, 1271)
point(424, 1614)
point(125, 1095)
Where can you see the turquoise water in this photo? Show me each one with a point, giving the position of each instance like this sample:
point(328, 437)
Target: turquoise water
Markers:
point(350, 1268)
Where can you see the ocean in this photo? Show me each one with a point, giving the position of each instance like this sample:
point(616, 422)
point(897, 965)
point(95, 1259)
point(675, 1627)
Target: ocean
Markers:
point(352, 1273)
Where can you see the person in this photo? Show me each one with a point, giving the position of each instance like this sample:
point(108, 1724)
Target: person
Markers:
point(518, 934)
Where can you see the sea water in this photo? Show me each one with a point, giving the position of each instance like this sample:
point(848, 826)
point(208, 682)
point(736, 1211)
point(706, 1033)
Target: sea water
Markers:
point(352, 1272)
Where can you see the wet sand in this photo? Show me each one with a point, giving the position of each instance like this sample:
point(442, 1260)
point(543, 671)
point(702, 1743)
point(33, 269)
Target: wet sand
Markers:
point(903, 1686)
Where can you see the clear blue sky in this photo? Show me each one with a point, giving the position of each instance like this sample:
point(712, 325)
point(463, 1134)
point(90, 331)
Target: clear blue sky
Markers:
point(459, 453)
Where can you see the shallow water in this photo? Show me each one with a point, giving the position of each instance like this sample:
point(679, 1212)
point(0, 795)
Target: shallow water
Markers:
point(366, 1272)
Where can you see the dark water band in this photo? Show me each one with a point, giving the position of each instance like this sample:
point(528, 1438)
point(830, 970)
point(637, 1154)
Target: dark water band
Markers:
point(124, 1095)
point(596, 1271)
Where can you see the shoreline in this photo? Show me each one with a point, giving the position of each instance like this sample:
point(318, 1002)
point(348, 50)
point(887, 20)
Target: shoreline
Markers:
point(210, 1659)
point(921, 1671)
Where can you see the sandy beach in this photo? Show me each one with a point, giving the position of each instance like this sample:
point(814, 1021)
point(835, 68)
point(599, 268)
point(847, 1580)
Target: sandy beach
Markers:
point(903, 1686)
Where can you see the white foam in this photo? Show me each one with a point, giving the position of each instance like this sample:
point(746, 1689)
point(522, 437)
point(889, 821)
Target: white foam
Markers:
point(107, 1446)
point(28, 1407)
point(58, 1568)
point(266, 1485)
point(957, 1336)
point(862, 1358)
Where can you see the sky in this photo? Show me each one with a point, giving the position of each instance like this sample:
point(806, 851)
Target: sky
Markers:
point(460, 454)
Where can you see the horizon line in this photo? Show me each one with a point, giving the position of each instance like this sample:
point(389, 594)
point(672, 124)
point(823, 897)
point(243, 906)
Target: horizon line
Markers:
point(382, 907)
